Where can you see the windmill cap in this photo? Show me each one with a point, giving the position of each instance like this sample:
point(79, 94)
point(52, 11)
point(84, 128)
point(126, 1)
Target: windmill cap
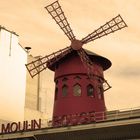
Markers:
point(104, 62)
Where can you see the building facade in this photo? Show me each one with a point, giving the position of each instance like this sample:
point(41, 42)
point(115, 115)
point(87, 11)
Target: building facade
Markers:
point(19, 93)
point(118, 125)
point(12, 76)
point(36, 95)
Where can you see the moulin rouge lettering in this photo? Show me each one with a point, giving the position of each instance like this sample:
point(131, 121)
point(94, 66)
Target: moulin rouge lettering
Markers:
point(20, 126)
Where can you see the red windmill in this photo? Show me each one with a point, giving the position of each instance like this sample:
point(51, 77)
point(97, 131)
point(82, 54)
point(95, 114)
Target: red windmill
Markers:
point(79, 76)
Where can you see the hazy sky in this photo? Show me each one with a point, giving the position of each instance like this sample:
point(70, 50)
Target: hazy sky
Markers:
point(36, 28)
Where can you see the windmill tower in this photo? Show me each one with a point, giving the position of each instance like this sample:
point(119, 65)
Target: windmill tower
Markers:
point(79, 75)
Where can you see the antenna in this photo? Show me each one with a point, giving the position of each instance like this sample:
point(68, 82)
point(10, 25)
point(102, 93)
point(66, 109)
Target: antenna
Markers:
point(28, 49)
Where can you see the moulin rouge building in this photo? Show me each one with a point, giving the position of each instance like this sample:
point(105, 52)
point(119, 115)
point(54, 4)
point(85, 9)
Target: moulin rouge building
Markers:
point(79, 107)
point(75, 94)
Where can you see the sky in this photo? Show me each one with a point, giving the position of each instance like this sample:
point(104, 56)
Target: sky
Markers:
point(35, 27)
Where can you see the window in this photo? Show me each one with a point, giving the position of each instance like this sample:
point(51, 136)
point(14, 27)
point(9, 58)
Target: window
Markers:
point(100, 80)
point(64, 79)
point(90, 90)
point(100, 92)
point(88, 78)
point(56, 66)
point(77, 77)
point(77, 90)
point(64, 90)
point(56, 82)
point(56, 93)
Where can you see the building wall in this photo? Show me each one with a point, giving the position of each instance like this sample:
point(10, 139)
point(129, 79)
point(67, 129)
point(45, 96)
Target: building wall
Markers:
point(36, 95)
point(72, 88)
point(12, 76)
point(21, 97)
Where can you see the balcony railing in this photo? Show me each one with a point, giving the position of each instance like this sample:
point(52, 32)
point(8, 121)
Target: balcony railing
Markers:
point(96, 117)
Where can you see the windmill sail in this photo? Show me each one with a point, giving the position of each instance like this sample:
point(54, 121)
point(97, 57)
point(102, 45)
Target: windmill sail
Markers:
point(35, 67)
point(57, 14)
point(55, 10)
point(113, 25)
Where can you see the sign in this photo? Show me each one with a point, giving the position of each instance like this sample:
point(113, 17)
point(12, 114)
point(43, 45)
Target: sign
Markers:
point(20, 126)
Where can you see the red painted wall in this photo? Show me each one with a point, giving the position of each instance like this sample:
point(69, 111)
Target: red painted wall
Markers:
point(70, 68)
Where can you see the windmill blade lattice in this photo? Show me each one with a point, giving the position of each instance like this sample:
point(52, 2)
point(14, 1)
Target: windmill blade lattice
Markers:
point(35, 67)
point(113, 25)
point(86, 61)
point(55, 10)
point(57, 14)
point(91, 72)
point(89, 65)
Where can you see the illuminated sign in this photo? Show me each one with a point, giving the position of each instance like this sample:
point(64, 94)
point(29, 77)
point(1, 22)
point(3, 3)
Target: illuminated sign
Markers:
point(20, 126)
